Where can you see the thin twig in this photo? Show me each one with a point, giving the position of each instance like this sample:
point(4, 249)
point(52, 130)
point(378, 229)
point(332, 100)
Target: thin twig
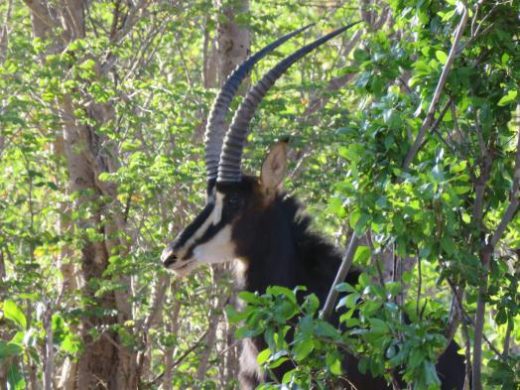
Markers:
point(467, 318)
point(419, 285)
point(507, 339)
point(180, 359)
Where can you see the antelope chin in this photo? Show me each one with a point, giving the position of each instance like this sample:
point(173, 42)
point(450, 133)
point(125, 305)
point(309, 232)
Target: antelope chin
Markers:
point(184, 269)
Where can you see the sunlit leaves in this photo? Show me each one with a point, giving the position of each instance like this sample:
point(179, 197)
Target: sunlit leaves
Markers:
point(153, 107)
point(12, 311)
point(509, 98)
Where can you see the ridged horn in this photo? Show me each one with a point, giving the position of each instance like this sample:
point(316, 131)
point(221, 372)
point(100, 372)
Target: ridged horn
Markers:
point(230, 159)
point(216, 127)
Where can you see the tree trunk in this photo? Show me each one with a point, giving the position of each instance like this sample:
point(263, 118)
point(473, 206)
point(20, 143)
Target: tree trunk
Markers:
point(104, 362)
point(233, 41)
point(233, 46)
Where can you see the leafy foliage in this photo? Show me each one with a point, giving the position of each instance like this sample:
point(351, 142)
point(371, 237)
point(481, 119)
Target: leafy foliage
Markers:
point(353, 110)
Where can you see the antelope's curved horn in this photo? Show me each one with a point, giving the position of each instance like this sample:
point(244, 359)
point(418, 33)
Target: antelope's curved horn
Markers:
point(216, 127)
point(231, 156)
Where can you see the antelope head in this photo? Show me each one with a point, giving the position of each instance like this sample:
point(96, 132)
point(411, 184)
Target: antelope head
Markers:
point(236, 204)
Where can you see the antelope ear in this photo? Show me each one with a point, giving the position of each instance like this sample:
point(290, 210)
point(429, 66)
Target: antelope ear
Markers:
point(274, 167)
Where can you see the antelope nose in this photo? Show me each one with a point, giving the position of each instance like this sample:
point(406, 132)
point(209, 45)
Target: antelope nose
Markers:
point(168, 256)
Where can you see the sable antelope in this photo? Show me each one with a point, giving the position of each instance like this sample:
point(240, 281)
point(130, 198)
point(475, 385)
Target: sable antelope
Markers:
point(249, 220)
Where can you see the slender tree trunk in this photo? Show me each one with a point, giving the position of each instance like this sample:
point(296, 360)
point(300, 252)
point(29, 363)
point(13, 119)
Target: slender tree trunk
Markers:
point(211, 338)
point(233, 46)
point(104, 362)
point(209, 52)
point(233, 41)
point(168, 359)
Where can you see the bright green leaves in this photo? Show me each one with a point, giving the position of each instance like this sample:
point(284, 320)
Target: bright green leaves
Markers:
point(13, 312)
point(64, 336)
point(362, 255)
point(383, 340)
point(505, 373)
point(373, 329)
point(314, 340)
point(353, 152)
point(302, 348)
point(508, 98)
point(441, 56)
point(87, 69)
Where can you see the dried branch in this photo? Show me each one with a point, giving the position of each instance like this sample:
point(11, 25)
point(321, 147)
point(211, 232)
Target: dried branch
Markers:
point(181, 358)
point(485, 258)
point(438, 90)
point(435, 126)
point(467, 318)
point(4, 33)
point(346, 263)
point(514, 199)
point(507, 339)
point(129, 21)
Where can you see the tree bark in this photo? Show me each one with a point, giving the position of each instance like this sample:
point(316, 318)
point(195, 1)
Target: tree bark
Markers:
point(233, 46)
point(209, 52)
point(234, 41)
point(104, 362)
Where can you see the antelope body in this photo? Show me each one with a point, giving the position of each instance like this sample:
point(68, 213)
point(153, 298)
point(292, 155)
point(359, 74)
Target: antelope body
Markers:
point(249, 220)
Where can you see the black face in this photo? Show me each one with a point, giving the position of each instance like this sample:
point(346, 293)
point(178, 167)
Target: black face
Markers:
point(208, 239)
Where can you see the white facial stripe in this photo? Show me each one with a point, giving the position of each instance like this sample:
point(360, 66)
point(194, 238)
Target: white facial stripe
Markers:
point(213, 219)
point(217, 250)
point(199, 233)
point(211, 196)
point(217, 210)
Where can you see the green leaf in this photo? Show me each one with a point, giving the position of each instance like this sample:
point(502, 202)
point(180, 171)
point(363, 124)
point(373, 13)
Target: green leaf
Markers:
point(71, 344)
point(508, 98)
point(441, 56)
point(15, 380)
point(324, 329)
point(311, 304)
point(263, 356)
point(448, 245)
point(345, 287)
point(288, 376)
point(249, 297)
point(333, 362)
point(362, 254)
point(378, 326)
point(303, 348)
point(283, 291)
point(363, 365)
point(233, 315)
point(8, 349)
point(13, 312)
point(349, 301)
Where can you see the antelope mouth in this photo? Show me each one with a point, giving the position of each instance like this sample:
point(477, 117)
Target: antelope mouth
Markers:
point(174, 264)
point(183, 269)
point(179, 266)
point(171, 261)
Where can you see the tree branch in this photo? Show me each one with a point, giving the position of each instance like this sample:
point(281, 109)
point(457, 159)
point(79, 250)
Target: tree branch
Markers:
point(485, 257)
point(179, 360)
point(346, 263)
point(514, 198)
point(437, 94)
